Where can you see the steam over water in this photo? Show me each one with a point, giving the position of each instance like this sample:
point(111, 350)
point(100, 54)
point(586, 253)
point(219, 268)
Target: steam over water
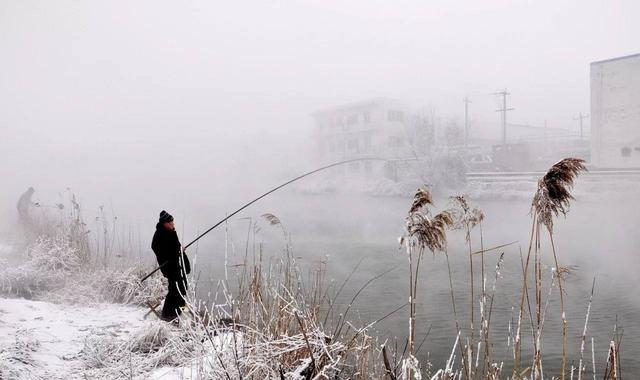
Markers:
point(596, 240)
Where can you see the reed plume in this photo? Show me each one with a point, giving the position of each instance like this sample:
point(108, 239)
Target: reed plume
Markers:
point(429, 232)
point(272, 219)
point(554, 190)
point(423, 231)
point(464, 216)
point(420, 199)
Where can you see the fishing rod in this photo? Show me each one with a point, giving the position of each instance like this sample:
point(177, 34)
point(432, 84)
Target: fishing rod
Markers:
point(262, 196)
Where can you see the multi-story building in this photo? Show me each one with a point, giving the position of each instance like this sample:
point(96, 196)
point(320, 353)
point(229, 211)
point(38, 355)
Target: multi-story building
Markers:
point(615, 112)
point(373, 128)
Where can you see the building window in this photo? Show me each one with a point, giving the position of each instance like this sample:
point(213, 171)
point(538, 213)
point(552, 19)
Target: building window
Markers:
point(367, 143)
point(395, 141)
point(395, 115)
point(367, 117)
point(353, 145)
point(352, 119)
point(626, 151)
point(367, 167)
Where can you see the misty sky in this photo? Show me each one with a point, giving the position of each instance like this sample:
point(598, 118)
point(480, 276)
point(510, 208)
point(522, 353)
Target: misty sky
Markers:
point(151, 93)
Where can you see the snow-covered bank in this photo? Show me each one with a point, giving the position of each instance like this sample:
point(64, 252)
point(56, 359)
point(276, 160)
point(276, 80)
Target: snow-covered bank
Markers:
point(61, 318)
point(45, 340)
point(72, 324)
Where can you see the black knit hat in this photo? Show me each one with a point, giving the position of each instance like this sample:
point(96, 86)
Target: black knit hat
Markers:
point(165, 217)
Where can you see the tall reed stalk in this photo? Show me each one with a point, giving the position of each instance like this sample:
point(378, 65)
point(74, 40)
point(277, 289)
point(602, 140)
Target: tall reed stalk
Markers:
point(467, 218)
point(551, 199)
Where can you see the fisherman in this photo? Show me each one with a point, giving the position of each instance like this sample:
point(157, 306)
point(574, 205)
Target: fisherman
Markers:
point(168, 251)
point(24, 206)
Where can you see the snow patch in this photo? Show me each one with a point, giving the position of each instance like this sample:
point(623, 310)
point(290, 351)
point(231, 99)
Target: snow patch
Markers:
point(44, 340)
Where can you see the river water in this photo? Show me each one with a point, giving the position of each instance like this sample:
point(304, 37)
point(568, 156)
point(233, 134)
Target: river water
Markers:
point(596, 240)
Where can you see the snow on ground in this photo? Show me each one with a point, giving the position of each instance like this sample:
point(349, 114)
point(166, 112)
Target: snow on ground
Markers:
point(44, 340)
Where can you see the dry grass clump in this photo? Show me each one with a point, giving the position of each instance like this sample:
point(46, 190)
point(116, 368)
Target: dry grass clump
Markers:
point(270, 327)
point(152, 339)
point(123, 286)
point(274, 332)
point(156, 345)
point(283, 333)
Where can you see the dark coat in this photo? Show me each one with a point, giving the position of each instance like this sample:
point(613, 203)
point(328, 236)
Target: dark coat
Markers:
point(166, 246)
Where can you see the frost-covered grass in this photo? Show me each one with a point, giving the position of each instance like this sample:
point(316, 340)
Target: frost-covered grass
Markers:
point(52, 269)
point(16, 357)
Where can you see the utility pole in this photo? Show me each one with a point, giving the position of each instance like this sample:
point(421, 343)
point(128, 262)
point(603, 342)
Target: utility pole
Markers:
point(466, 121)
point(504, 110)
point(546, 143)
point(581, 117)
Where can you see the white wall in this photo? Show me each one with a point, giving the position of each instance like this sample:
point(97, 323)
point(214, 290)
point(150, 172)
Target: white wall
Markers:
point(615, 112)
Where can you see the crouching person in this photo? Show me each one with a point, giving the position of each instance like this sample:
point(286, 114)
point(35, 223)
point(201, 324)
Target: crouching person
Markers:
point(168, 251)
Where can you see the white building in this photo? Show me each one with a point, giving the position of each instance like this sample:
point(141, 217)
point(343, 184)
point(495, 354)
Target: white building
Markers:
point(372, 128)
point(615, 112)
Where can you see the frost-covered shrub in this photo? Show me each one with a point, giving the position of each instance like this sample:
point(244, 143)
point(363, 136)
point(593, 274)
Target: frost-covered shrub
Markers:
point(53, 269)
point(48, 264)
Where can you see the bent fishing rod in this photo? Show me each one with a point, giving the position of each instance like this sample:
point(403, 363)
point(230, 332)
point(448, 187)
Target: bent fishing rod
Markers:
point(262, 196)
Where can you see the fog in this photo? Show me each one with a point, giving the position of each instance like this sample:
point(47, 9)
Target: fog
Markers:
point(197, 107)
point(184, 100)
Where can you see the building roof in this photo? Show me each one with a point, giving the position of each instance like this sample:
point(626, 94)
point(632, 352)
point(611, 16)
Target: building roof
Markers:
point(616, 59)
point(356, 105)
